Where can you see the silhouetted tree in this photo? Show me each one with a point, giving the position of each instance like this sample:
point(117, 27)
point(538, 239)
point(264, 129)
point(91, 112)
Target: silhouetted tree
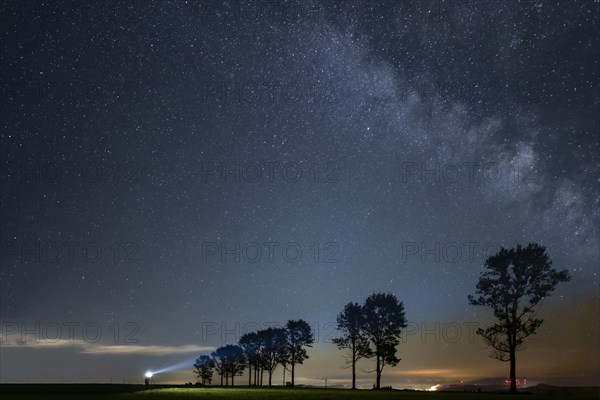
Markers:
point(383, 322)
point(299, 336)
point(229, 362)
point(350, 322)
point(513, 283)
point(250, 343)
point(203, 367)
point(273, 349)
point(219, 362)
point(284, 368)
point(237, 362)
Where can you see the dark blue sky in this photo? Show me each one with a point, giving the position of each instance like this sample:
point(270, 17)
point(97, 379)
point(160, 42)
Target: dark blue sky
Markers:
point(171, 169)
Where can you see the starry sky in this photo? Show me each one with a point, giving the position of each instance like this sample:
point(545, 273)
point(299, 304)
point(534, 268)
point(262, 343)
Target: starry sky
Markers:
point(177, 173)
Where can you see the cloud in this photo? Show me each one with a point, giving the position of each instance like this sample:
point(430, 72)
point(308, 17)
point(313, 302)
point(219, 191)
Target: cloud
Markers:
point(41, 343)
point(84, 347)
point(146, 350)
point(427, 372)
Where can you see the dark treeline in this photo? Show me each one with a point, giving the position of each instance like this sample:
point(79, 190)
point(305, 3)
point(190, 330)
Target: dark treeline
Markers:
point(261, 353)
point(371, 330)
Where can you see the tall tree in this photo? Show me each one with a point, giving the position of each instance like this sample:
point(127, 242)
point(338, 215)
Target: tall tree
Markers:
point(299, 336)
point(203, 367)
point(513, 283)
point(218, 358)
point(229, 362)
point(350, 322)
point(384, 319)
point(250, 343)
point(273, 349)
point(237, 362)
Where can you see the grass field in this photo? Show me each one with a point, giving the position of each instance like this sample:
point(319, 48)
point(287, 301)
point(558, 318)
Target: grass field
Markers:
point(137, 392)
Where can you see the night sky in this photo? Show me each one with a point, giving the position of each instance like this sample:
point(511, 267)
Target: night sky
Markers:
point(177, 173)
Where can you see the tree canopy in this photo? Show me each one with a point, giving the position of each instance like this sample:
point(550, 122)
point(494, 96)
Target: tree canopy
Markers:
point(350, 323)
point(384, 319)
point(512, 284)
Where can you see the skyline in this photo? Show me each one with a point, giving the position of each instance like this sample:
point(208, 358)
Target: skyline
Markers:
point(171, 169)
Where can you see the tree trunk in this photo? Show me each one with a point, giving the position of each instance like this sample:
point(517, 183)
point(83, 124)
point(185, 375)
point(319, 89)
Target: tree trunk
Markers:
point(353, 372)
point(378, 384)
point(353, 363)
point(249, 374)
point(513, 371)
point(293, 368)
point(270, 376)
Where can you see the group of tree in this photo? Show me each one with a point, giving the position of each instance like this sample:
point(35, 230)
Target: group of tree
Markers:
point(512, 284)
point(261, 352)
point(371, 330)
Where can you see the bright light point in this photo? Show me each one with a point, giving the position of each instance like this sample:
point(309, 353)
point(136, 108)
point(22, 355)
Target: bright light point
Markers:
point(433, 388)
point(149, 374)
